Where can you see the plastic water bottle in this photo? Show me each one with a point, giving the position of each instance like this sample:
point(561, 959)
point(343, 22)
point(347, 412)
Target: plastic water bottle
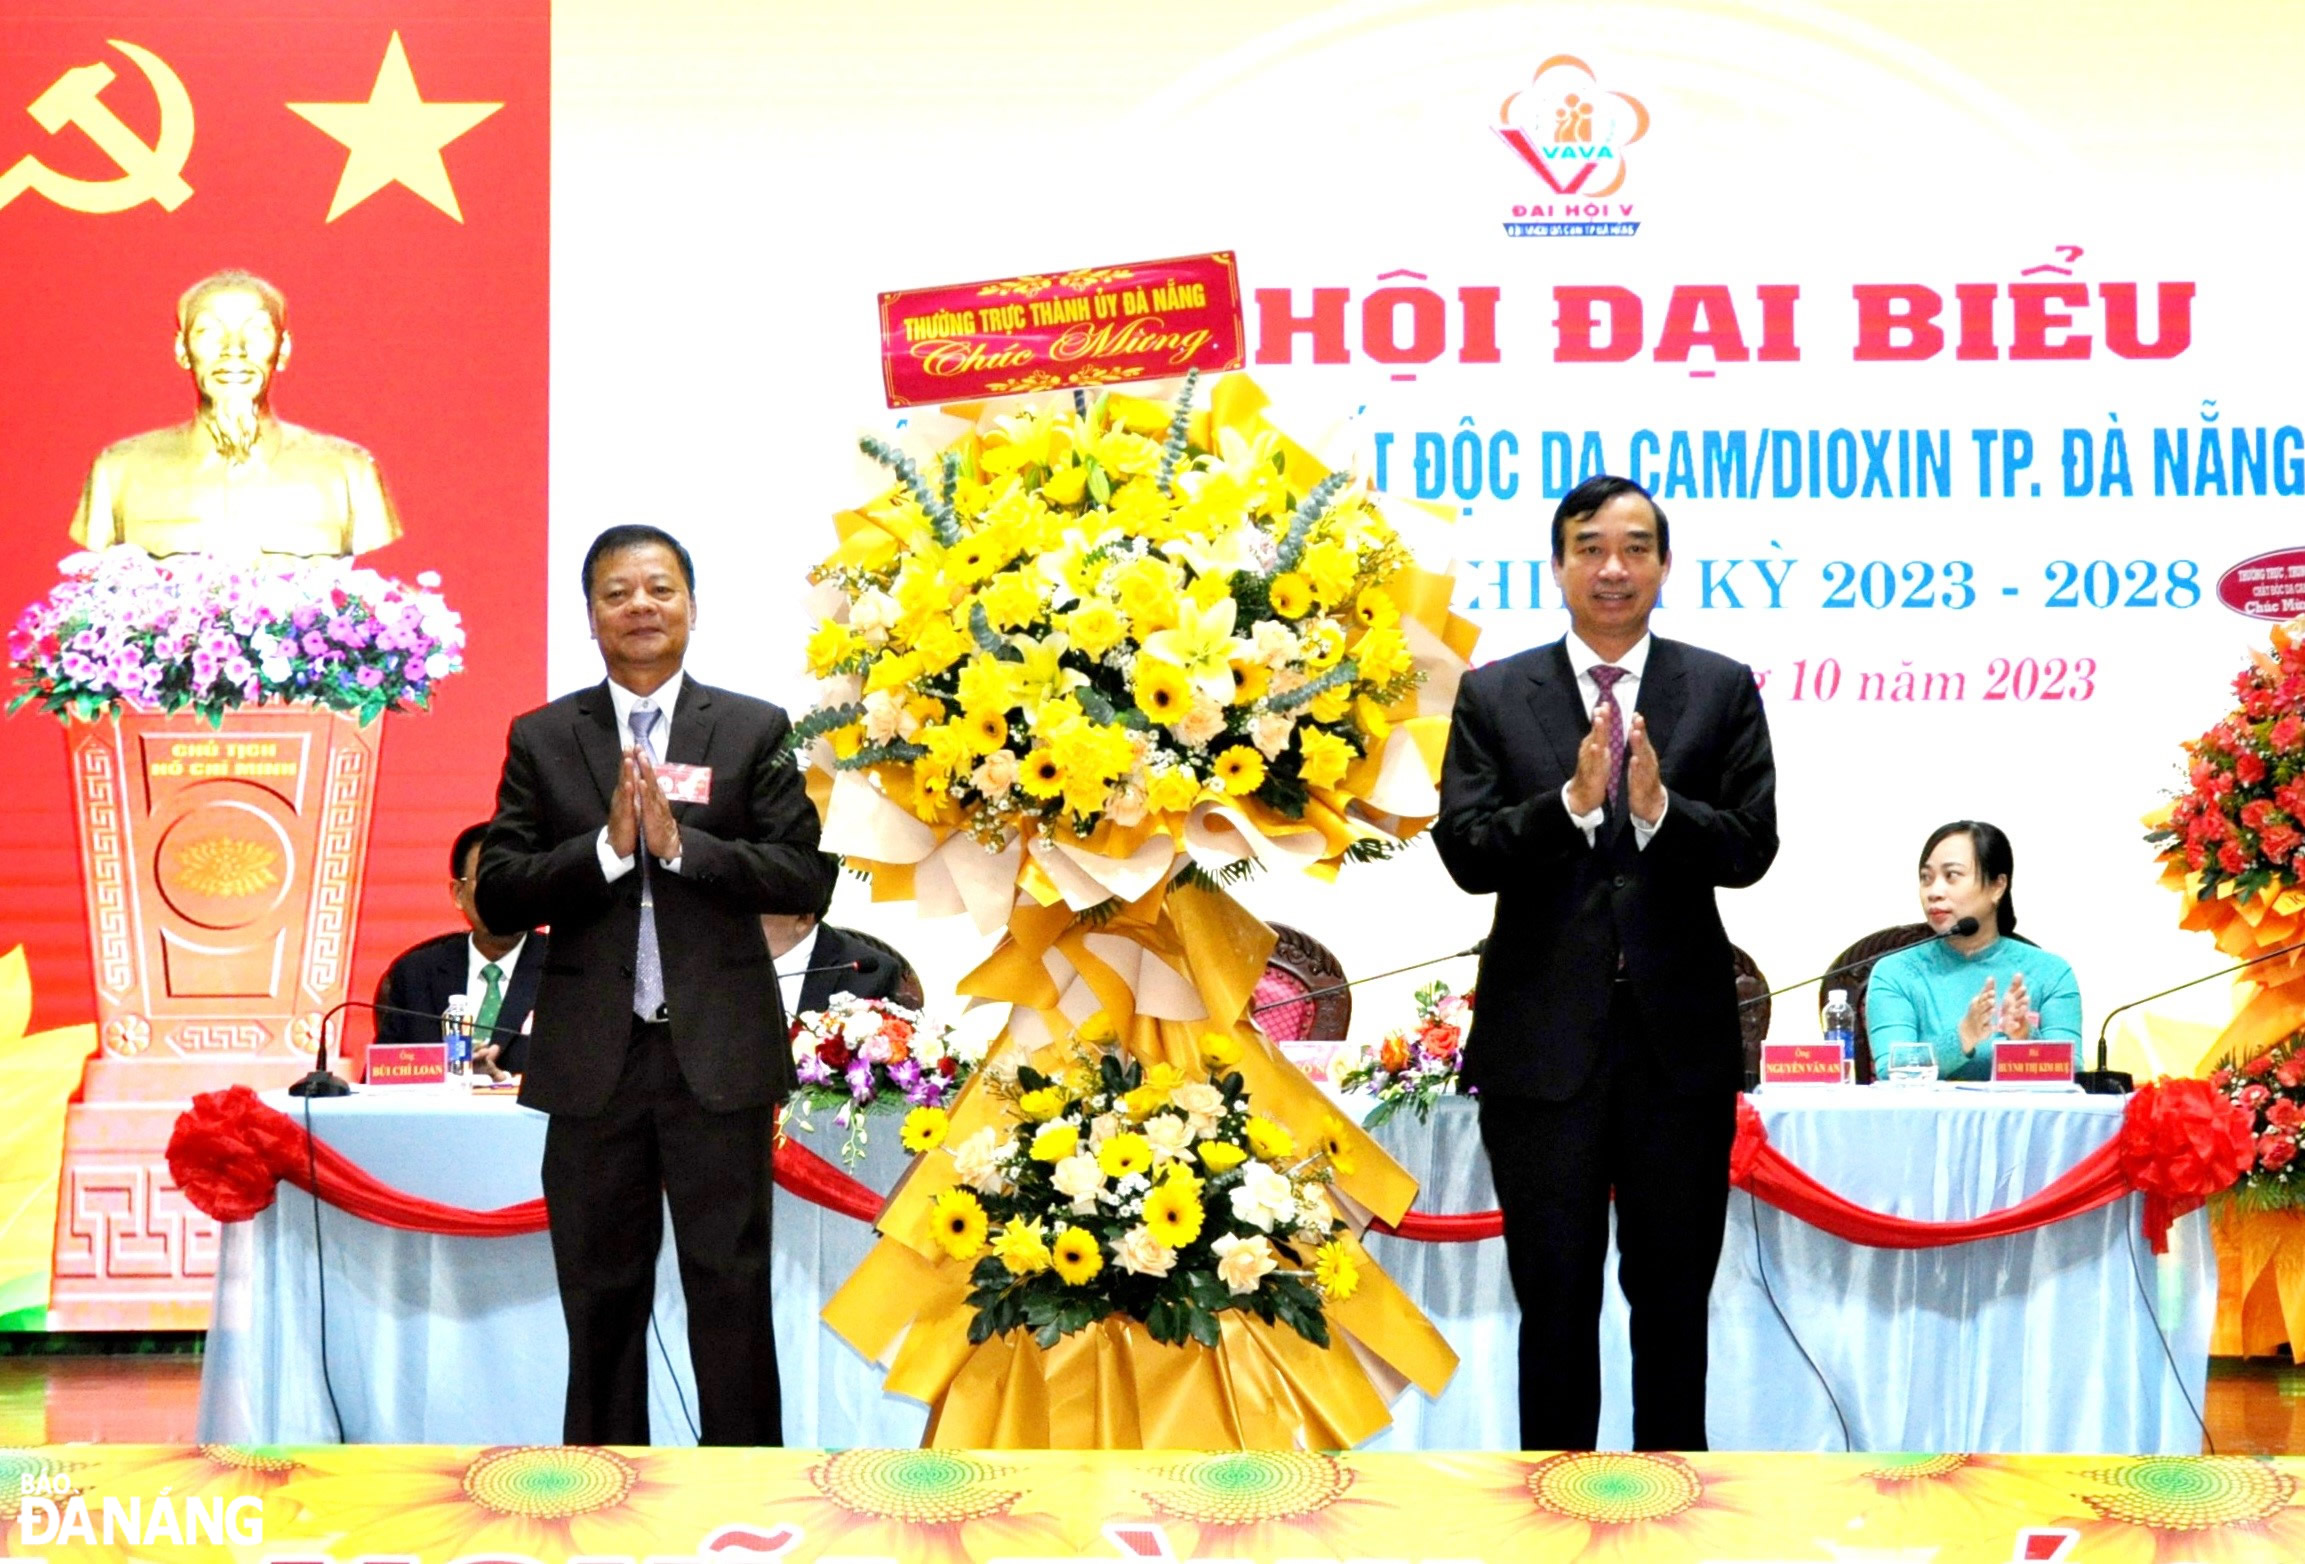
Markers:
point(1841, 1028)
point(456, 1031)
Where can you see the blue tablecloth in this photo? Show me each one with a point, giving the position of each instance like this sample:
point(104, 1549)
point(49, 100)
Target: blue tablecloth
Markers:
point(2045, 1341)
point(2041, 1342)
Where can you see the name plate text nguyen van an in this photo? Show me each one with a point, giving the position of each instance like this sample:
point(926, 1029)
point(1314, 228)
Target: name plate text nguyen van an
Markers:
point(407, 1064)
point(2032, 1063)
point(1096, 326)
point(1800, 1064)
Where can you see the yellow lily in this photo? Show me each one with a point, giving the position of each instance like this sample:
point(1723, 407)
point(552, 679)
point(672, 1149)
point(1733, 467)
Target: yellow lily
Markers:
point(1203, 645)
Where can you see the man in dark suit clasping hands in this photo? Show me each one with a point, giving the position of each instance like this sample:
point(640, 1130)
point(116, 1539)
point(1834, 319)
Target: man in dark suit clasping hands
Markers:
point(1602, 787)
point(650, 821)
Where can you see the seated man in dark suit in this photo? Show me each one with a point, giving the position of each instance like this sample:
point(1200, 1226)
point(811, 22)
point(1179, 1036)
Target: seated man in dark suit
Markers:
point(497, 972)
point(802, 944)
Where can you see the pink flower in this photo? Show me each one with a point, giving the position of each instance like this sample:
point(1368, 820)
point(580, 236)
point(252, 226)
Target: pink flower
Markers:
point(2275, 1152)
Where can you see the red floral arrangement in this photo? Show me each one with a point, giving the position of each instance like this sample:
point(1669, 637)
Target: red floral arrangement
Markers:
point(2241, 817)
point(2270, 1090)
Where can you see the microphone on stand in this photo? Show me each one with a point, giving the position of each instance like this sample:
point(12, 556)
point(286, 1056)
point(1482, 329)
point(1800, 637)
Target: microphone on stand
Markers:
point(1474, 949)
point(1961, 928)
point(2107, 1082)
point(322, 1082)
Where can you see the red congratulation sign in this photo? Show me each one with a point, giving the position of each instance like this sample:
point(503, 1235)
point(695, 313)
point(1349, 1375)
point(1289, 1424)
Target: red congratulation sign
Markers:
point(1801, 1064)
point(1148, 320)
point(2032, 1063)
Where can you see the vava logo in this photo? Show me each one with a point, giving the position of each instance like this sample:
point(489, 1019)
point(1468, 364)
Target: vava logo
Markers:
point(1571, 130)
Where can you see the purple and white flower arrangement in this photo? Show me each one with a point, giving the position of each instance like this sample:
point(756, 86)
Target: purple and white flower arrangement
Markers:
point(872, 1056)
point(124, 630)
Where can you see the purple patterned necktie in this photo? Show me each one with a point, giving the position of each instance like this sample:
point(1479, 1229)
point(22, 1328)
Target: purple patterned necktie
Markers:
point(1605, 677)
point(648, 961)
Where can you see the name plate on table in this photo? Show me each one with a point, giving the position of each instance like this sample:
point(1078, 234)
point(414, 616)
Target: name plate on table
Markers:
point(407, 1064)
point(1800, 1064)
point(2032, 1064)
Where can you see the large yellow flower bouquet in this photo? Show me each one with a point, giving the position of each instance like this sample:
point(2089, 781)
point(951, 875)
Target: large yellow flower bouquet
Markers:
point(1085, 662)
point(1092, 622)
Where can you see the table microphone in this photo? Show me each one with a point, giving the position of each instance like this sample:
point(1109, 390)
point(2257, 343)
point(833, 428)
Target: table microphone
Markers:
point(322, 1082)
point(1474, 949)
point(2111, 1082)
point(1961, 928)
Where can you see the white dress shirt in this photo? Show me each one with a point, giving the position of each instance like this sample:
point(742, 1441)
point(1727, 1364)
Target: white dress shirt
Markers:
point(1583, 660)
point(789, 968)
point(665, 699)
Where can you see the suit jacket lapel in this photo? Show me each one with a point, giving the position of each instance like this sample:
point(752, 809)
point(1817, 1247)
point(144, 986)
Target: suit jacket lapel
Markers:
point(527, 973)
point(691, 739)
point(1558, 708)
point(1664, 693)
point(596, 738)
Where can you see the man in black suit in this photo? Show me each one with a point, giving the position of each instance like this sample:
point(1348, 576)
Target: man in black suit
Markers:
point(815, 961)
point(498, 973)
point(651, 821)
point(1605, 1049)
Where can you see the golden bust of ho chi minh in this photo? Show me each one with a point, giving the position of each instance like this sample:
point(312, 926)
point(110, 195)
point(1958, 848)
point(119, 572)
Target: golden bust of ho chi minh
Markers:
point(235, 480)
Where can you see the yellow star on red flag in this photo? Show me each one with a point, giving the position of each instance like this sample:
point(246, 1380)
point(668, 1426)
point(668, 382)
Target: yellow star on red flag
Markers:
point(395, 137)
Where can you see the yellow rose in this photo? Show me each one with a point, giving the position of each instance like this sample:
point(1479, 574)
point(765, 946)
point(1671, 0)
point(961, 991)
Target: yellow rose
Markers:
point(892, 673)
point(1220, 1050)
point(1041, 1104)
point(1055, 1142)
point(1140, 1103)
point(1097, 1031)
point(1065, 486)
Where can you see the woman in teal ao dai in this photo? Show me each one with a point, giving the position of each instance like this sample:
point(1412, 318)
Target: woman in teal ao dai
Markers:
point(1963, 993)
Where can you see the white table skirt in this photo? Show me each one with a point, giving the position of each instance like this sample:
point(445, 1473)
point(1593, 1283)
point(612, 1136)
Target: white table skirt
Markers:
point(2040, 1342)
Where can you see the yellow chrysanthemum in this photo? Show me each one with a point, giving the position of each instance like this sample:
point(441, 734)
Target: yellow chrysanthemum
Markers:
point(1239, 770)
point(1011, 600)
point(1040, 775)
point(1383, 655)
point(1096, 627)
point(1022, 1247)
point(1220, 1156)
point(1162, 691)
point(1330, 568)
point(1331, 705)
point(1220, 1050)
point(831, 645)
point(987, 684)
point(939, 644)
point(1097, 1030)
point(924, 1129)
point(892, 673)
point(1267, 1139)
point(1055, 1142)
point(1290, 594)
point(1041, 1104)
point(1172, 1213)
point(1126, 1153)
point(1075, 1255)
point(1326, 758)
point(1147, 591)
point(1336, 1271)
point(960, 1223)
point(1172, 791)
